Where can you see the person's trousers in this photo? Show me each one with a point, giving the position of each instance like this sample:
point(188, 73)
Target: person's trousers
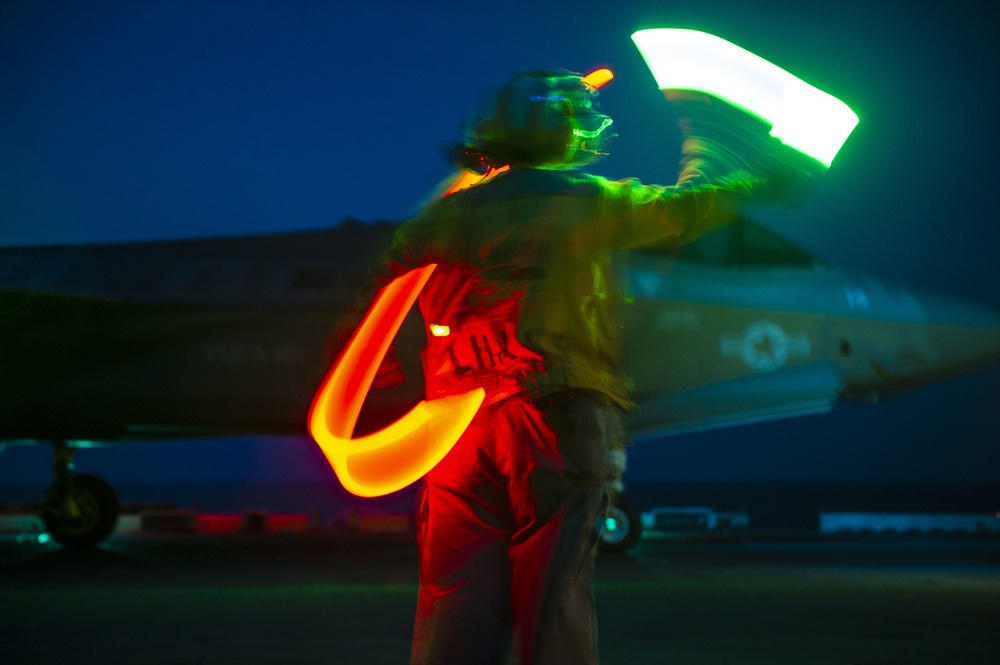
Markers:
point(506, 532)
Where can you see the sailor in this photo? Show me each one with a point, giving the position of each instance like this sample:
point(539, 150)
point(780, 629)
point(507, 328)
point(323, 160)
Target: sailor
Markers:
point(524, 304)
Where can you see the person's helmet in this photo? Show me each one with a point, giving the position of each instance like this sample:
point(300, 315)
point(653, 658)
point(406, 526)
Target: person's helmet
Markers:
point(541, 119)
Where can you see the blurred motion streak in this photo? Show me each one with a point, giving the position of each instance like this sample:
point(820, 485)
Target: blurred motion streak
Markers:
point(399, 454)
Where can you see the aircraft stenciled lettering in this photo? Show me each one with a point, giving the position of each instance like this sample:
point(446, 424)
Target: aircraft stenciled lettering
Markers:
point(856, 298)
point(679, 320)
point(764, 346)
point(254, 354)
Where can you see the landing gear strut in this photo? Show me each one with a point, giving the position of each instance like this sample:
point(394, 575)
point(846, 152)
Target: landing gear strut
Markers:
point(79, 510)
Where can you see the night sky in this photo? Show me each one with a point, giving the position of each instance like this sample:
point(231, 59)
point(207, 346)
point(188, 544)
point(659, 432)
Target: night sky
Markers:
point(166, 119)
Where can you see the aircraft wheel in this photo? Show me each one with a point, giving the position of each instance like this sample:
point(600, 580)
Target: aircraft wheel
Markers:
point(620, 527)
point(83, 515)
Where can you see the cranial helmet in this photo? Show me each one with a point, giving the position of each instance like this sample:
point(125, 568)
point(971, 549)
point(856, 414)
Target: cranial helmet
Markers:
point(543, 119)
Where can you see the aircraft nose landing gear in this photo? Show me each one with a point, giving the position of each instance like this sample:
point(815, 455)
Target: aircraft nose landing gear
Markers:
point(79, 510)
point(619, 527)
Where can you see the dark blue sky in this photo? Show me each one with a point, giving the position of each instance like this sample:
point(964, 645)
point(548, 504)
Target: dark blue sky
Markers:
point(154, 119)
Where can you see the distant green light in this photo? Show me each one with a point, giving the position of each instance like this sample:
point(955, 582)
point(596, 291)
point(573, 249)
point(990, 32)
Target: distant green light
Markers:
point(801, 116)
point(611, 524)
point(43, 538)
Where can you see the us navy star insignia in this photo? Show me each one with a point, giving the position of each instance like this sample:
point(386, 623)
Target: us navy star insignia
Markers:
point(764, 346)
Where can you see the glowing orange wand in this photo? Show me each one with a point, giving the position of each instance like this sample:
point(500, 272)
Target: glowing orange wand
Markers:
point(402, 452)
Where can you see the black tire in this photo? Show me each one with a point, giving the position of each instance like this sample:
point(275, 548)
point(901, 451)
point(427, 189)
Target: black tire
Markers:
point(97, 517)
point(619, 527)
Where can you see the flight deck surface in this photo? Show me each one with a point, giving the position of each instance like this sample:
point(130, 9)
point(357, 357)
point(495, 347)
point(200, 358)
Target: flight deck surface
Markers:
point(701, 599)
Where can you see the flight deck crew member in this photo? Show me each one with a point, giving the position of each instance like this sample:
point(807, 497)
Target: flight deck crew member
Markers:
point(524, 304)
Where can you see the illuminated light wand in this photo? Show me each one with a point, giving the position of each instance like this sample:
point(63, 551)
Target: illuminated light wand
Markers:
point(801, 116)
point(399, 454)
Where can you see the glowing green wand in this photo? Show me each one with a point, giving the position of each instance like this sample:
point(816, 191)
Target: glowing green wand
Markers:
point(801, 116)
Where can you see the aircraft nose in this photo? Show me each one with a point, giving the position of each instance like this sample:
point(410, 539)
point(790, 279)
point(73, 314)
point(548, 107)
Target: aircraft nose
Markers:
point(964, 336)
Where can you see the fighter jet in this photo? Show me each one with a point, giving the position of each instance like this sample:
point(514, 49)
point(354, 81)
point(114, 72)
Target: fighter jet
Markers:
point(110, 343)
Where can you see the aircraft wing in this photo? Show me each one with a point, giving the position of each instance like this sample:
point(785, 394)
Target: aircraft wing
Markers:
point(174, 338)
point(799, 390)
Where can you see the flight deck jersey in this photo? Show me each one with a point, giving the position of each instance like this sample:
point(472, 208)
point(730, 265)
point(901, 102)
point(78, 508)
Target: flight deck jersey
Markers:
point(526, 292)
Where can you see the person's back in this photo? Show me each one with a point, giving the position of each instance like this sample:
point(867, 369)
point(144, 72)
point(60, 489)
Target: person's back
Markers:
point(536, 252)
point(523, 303)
